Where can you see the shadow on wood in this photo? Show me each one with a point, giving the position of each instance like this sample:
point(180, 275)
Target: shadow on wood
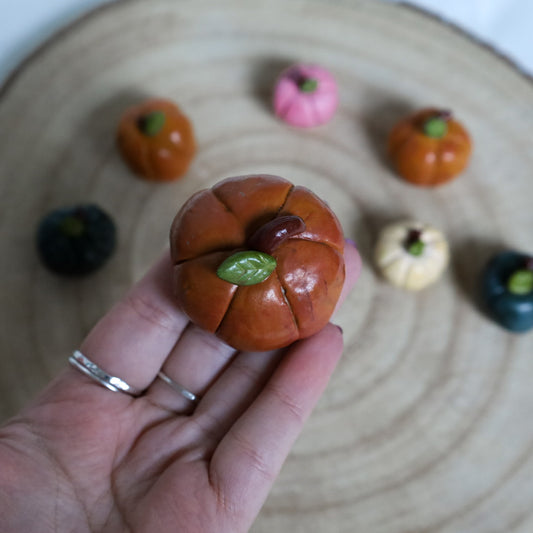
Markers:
point(368, 229)
point(468, 259)
point(263, 77)
point(100, 126)
point(381, 113)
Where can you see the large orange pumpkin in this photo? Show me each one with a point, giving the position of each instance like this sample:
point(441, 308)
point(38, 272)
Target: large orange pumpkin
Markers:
point(246, 213)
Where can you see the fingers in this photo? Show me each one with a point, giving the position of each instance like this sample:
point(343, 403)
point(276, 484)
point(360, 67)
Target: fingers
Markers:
point(135, 337)
point(199, 359)
point(194, 363)
point(281, 390)
point(235, 390)
point(140, 332)
point(244, 378)
point(250, 456)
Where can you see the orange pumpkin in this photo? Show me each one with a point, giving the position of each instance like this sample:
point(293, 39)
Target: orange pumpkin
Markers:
point(429, 147)
point(258, 212)
point(156, 140)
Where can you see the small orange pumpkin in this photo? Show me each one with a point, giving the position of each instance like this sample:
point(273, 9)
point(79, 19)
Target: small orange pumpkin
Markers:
point(429, 147)
point(252, 215)
point(156, 140)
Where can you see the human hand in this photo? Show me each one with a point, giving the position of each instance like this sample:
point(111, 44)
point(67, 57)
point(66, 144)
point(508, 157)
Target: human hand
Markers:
point(82, 458)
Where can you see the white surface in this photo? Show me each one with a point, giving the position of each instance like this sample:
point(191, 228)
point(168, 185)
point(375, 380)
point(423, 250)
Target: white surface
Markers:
point(505, 24)
point(25, 24)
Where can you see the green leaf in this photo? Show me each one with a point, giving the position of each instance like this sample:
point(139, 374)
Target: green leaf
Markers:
point(521, 282)
point(247, 268)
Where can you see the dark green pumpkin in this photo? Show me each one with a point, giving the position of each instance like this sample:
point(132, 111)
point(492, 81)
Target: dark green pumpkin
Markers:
point(506, 290)
point(77, 240)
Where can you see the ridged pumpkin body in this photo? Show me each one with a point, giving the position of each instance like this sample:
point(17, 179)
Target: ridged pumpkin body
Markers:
point(164, 154)
point(295, 301)
point(424, 160)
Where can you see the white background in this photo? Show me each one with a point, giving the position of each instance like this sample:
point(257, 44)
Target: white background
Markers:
point(505, 24)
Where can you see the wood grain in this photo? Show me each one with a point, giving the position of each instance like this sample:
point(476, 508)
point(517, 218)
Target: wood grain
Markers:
point(426, 426)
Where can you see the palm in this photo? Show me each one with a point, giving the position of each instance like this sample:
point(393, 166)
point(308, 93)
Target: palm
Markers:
point(132, 466)
point(82, 458)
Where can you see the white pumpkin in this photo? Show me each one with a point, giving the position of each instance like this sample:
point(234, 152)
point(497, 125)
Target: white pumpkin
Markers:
point(411, 255)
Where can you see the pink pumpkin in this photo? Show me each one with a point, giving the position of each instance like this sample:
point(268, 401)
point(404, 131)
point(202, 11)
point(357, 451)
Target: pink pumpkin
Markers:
point(305, 96)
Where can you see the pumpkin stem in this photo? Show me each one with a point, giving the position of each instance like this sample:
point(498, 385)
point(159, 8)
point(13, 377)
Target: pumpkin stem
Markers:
point(436, 126)
point(304, 83)
point(307, 85)
point(414, 244)
point(274, 233)
point(521, 281)
point(151, 123)
point(73, 226)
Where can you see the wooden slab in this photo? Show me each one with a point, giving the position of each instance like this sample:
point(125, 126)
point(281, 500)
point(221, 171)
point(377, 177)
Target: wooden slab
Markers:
point(426, 426)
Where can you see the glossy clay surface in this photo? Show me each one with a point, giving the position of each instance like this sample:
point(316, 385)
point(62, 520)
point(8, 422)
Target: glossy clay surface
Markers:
point(512, 311)
point(165, 156)
point(305, 109)
point(295, 301)
point(424, 160)
point(404, 270)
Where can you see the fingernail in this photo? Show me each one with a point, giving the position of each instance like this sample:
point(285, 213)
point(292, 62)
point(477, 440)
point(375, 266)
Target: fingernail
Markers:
point(349, 241)
point(339, 328)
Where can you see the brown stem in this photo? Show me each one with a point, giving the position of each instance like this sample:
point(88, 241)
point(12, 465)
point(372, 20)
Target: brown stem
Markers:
point(444, 114)
point(272, 234)
point(413, 236)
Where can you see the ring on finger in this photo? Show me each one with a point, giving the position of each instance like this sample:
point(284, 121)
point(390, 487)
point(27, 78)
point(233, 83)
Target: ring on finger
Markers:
point(187, 394)
point(113, 383)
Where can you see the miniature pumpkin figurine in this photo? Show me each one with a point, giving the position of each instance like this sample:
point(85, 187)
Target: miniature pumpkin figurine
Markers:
point(305, 96)
point(507, 290)
point(429, 148)
point(257, 261)
point(76, 240)
point(156, 140)
point(411, 255)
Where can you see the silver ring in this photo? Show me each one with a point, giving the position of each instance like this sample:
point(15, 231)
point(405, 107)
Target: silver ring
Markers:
point(177, 387)
point(78, 360)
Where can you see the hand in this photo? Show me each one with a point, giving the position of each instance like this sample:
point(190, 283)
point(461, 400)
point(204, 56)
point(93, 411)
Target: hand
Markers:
point(82, 458)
